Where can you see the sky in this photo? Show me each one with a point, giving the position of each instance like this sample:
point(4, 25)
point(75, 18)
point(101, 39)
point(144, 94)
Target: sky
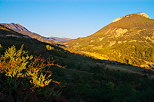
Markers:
point(69, 18)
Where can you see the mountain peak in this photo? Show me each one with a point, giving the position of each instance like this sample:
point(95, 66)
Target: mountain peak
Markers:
point(140, 14)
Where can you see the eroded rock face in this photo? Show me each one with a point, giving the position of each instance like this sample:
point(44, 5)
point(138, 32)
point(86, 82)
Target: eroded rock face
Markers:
point(120, 32)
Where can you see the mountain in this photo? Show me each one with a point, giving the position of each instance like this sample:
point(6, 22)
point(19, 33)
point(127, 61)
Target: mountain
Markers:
point(16, 27)
point(6, 32)
point(128, 39)
point(77, 78)
point(59, 38)
point(22, 30)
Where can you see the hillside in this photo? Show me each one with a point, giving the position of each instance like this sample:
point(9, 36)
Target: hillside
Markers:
point(16, 27)
point(22, 30)
point(128, 39)
point(4, 31)
point(82, 78)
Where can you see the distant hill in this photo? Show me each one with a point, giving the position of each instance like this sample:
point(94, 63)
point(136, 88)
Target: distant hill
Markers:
point(21, 29)
point(128, 39)
point(16, 27)
point(59, 38)
point(6, 32)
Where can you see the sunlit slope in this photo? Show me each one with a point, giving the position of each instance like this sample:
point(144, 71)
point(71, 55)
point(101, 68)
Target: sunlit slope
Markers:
point(128, 39)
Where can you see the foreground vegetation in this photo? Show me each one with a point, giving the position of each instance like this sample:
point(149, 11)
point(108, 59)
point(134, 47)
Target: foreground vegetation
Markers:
point(25, 78)
point(80, 82)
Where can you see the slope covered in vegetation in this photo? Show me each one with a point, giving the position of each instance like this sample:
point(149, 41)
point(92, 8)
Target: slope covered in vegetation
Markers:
point(129, 39)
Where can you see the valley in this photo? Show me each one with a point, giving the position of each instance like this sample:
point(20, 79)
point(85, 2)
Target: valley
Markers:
point(115, 64)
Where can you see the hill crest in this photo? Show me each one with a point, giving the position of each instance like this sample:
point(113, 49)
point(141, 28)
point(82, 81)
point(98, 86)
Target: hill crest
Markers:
point(127, 16)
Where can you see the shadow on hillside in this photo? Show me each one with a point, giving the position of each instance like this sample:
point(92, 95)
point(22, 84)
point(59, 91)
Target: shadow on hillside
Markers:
point(63, 57)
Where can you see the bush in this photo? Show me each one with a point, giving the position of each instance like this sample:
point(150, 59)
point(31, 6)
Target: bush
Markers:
point(20, 71)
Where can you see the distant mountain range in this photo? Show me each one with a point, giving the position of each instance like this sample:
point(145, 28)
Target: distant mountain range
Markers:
point(128, 39)
point(59, 38)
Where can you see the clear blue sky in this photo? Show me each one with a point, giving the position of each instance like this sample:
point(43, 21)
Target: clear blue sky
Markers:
point(69, 18)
